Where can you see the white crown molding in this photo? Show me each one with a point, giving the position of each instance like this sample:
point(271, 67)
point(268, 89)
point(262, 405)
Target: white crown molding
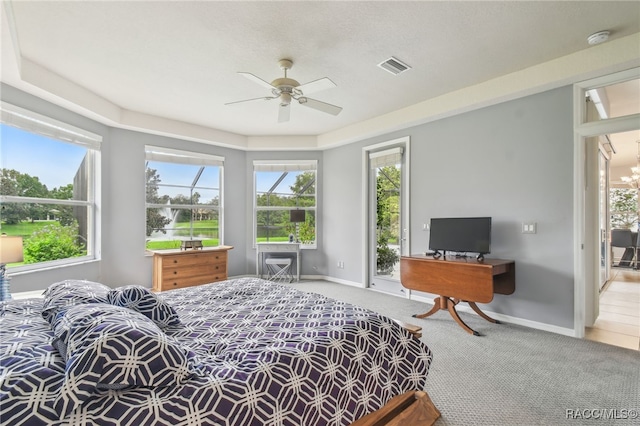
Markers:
point(615, 55)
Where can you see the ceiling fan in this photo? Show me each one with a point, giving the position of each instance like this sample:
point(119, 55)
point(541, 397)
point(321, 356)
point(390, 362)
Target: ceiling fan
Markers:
point(285, 89)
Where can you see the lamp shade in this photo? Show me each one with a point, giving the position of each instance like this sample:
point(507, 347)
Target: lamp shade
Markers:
point(10, 249)
point(296, 215)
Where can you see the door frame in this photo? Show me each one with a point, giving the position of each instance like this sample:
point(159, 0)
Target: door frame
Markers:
point(366, 200)
point(585, 248)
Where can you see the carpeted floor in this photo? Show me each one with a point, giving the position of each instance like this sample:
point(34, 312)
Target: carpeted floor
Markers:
point(512, 375)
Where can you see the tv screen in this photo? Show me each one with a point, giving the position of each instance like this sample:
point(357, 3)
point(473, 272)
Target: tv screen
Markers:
point(461, 234)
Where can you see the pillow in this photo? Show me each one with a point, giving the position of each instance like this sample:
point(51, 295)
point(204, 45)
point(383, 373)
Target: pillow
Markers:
point(61, 295)
point(109, 347)
point(148, 304)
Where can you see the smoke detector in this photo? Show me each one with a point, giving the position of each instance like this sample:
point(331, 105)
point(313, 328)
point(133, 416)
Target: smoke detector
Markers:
point(599, 37)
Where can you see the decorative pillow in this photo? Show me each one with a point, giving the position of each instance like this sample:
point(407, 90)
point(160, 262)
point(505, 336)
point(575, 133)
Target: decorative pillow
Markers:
point(64, 294)
point(110, 347)
point(148, 304)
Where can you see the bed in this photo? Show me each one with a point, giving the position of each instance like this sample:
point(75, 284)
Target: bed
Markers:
point(238, 352)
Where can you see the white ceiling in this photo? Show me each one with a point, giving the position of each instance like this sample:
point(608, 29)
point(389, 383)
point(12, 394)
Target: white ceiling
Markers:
point(179, 60)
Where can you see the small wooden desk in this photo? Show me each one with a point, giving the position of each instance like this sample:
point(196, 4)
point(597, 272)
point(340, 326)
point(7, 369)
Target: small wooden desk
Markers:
point(458, 280)
point(262, 248)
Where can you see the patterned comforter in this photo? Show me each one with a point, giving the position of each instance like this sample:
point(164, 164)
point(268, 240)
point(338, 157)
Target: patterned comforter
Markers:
point(238, 352)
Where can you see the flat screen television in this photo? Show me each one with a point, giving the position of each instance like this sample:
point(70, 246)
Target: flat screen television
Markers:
point(460, 234)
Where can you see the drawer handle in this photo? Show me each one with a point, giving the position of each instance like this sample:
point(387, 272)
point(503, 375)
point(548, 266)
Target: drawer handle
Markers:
point(175, 272)
point(175, 283)
point(175, 261)
point(217, 267)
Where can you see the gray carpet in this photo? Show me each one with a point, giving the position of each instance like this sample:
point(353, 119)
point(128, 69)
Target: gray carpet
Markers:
point(512, 375)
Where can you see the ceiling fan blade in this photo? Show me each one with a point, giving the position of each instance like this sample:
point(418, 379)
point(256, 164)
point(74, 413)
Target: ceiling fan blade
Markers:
point(258, 80)
point(320, 106)
point(284, 113)
point(264, 98)
point(316, 85)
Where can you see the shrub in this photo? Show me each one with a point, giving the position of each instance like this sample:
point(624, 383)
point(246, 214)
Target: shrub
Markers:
point(53, 242)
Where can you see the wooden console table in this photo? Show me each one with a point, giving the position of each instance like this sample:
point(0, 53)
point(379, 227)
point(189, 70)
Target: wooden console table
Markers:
point(458, 280)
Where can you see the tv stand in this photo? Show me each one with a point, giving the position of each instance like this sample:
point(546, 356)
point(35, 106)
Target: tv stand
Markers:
point(458, 280)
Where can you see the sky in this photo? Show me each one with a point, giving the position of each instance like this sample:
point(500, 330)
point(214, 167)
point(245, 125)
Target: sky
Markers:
point(55, 163)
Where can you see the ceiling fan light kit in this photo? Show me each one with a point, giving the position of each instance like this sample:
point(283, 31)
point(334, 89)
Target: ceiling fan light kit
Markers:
point(286, 89)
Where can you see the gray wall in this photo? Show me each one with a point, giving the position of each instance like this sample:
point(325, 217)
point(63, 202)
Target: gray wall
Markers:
point(513, 162)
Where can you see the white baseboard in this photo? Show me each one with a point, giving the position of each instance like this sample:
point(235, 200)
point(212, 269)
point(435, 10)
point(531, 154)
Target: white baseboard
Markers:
point(505, 318)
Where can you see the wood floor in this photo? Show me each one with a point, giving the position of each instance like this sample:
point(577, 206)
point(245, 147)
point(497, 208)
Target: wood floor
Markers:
point(619, 321)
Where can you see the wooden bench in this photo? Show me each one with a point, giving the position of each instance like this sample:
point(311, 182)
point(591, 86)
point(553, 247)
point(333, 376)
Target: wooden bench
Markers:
point(413, 408)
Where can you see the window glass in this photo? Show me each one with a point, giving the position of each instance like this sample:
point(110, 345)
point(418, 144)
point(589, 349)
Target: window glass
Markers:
point(183, 201)
point(280, 192)
point(46, 188)
point(615, 100)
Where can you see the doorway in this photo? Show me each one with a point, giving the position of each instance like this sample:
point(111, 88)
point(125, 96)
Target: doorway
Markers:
point(608, 146)
point(387, 213)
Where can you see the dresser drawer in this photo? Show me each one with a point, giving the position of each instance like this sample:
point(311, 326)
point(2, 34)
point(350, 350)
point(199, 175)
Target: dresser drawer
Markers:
point(171, 283)
point(191, 260)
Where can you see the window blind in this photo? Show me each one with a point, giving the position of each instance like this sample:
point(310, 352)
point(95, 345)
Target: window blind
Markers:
point(33, 122)
point(388, 157)
point(284, 165)
point(168, 155)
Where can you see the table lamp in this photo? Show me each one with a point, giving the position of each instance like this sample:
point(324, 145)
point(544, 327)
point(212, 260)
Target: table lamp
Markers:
point(296, 216)
point(10, 252)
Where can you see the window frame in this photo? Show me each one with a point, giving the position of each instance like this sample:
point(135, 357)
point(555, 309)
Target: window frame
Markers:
point(160, 154)
point(284, 166)
point(63, 133)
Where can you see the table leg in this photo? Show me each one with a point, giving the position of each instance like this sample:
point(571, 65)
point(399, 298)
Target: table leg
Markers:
point(446, 303)
point(437, 302)
point(482, 314)
point(454, 314)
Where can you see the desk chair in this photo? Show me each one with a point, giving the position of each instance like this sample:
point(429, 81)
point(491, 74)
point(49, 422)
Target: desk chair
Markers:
point(624, 238)
point(279, 269)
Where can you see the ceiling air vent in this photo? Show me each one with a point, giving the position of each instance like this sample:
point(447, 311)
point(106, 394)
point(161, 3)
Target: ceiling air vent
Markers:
point(394, 66)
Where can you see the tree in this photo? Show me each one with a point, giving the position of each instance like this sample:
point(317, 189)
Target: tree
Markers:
point(64, 214)
point(388, 197)
point(304, 189)
point(155, 220)
point(12, 182)
point(185, 215)
point(624, 207)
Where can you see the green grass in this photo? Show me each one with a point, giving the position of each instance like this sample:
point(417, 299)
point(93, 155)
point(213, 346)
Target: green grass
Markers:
point(24, 229)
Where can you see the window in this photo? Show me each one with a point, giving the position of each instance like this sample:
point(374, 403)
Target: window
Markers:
point(184, 198)
point(48, 182)
point(283, 190)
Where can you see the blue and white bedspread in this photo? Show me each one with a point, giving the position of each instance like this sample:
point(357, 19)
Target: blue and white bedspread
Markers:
point(238, 352)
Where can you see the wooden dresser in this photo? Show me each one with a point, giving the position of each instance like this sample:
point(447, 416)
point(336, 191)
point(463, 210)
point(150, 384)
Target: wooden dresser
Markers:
point(185, 268)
